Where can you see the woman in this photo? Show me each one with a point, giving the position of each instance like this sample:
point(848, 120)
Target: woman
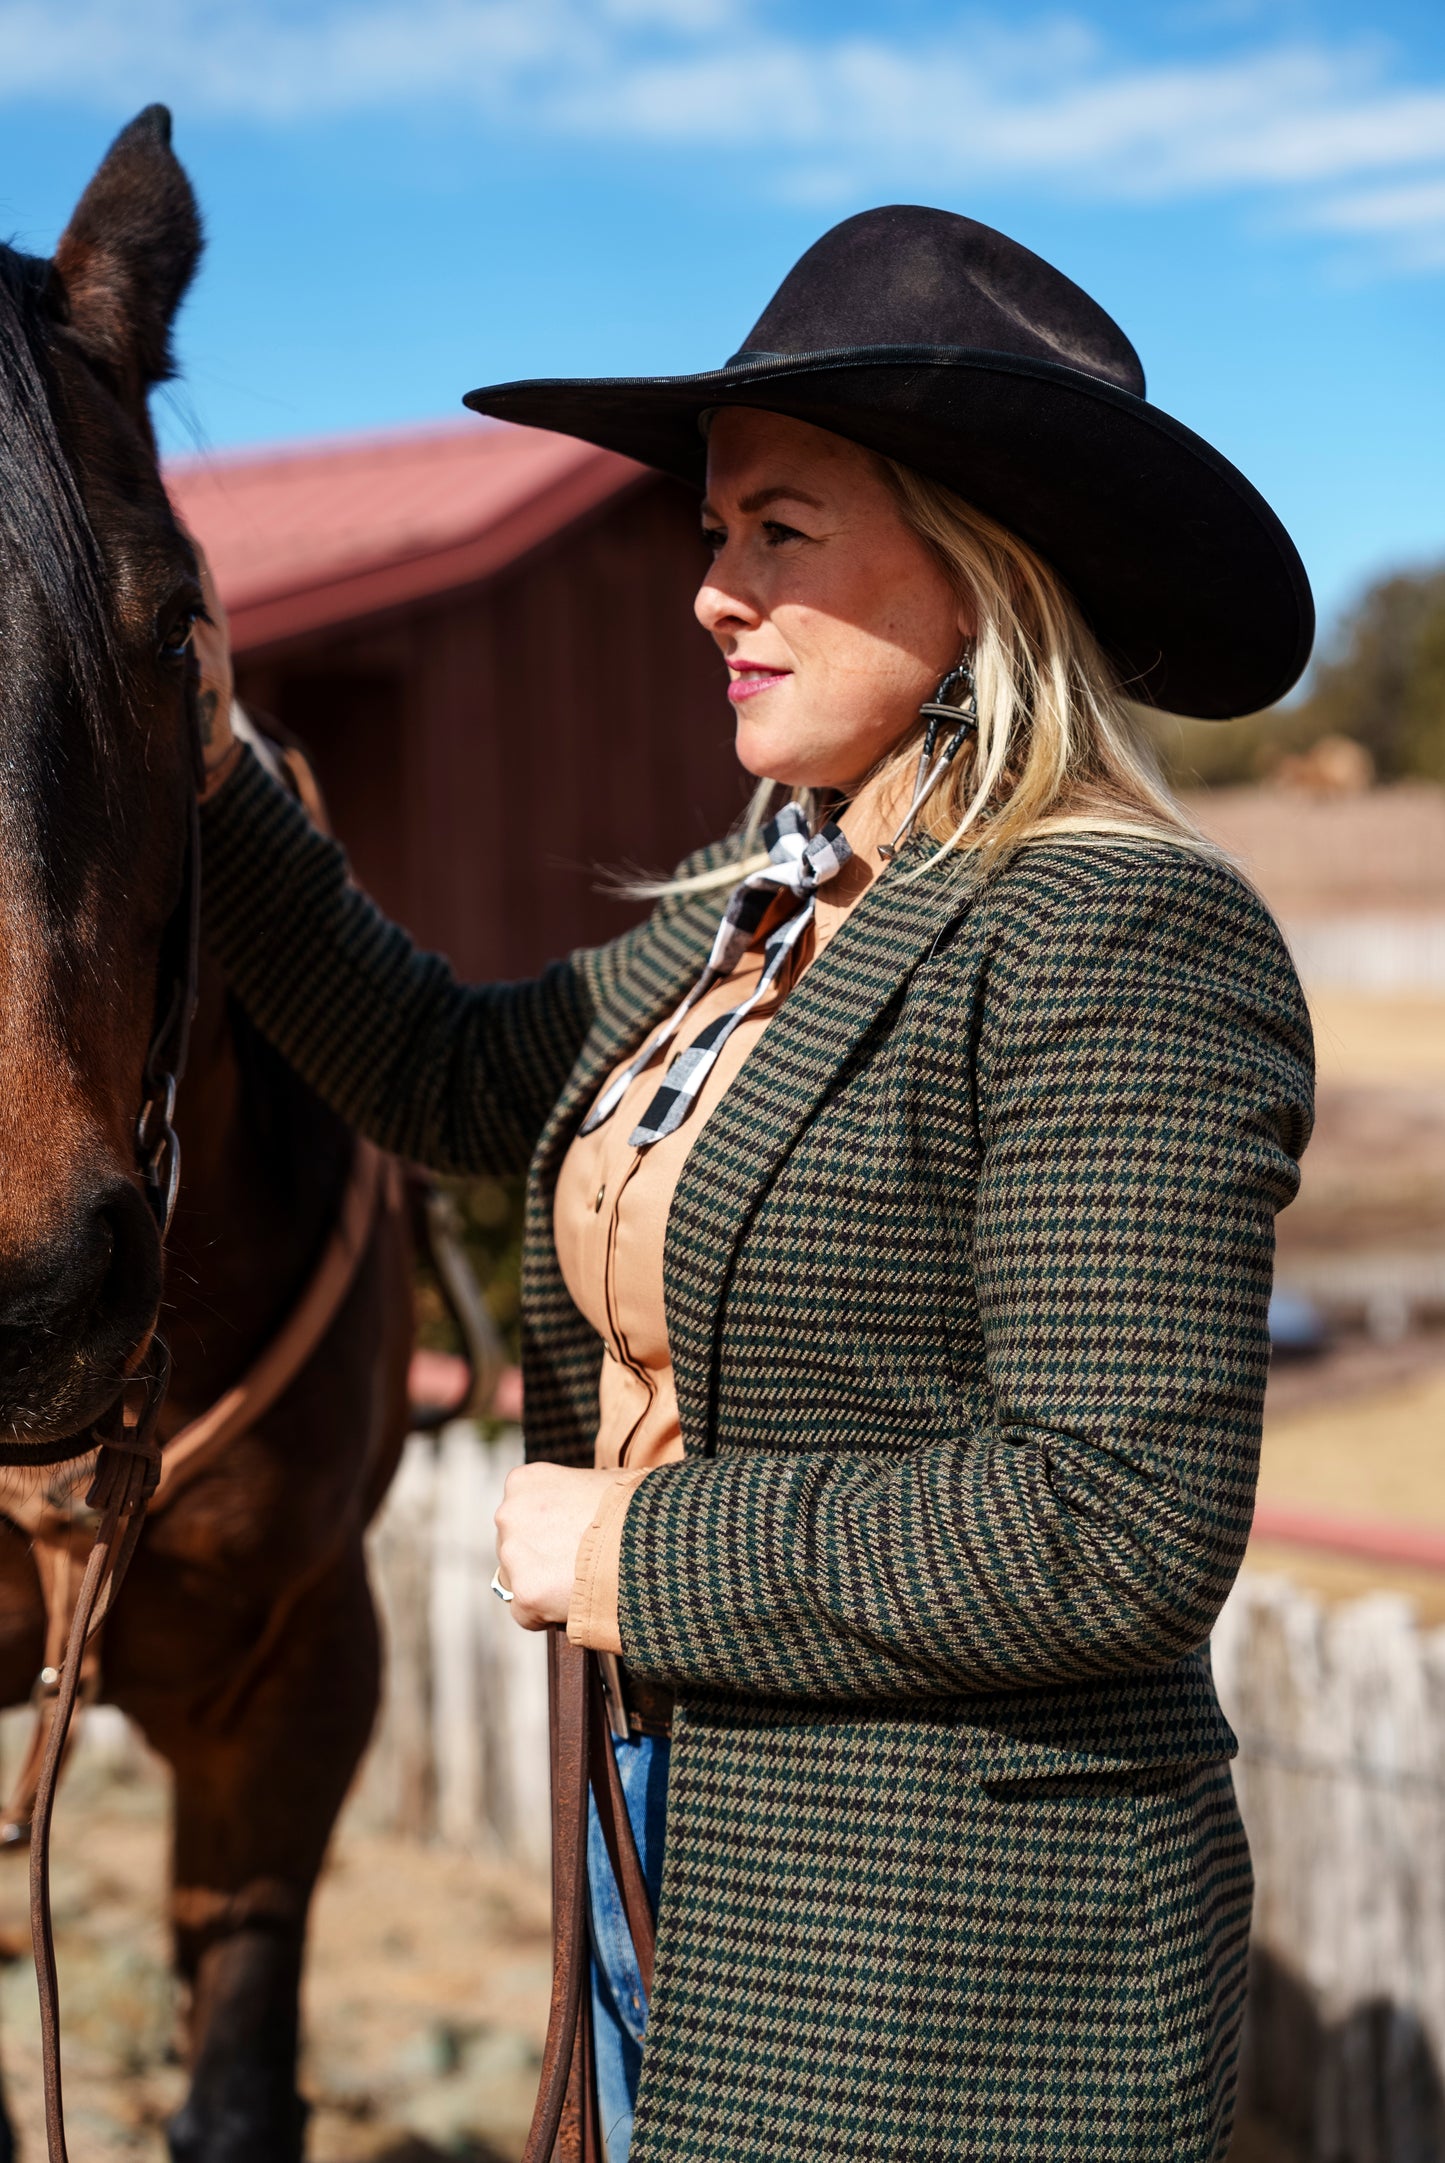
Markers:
point(906, 1514)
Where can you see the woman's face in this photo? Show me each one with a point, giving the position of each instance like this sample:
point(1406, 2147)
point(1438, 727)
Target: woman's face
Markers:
point(836, 621)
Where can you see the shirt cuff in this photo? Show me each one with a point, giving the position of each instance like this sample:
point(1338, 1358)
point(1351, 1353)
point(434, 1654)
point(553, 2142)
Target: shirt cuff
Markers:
point(592, 1612)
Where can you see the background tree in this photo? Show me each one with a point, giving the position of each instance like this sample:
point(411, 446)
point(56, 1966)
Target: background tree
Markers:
point(1380, 681)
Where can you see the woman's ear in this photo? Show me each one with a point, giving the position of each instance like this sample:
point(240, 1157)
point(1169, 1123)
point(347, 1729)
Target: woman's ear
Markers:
point(126, 258)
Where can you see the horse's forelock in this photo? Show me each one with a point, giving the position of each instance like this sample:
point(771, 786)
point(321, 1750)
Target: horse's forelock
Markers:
point(48, 550)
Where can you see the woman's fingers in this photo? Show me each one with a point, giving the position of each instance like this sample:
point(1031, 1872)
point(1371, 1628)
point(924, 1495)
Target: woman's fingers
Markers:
point(544, 1511)
point(531, 1556)
point(522, 1571)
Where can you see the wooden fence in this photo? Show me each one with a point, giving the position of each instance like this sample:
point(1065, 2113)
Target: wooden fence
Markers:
point(460, 1752)
point(1341, 1776)
point(1340, 1713)
point(1371, 950)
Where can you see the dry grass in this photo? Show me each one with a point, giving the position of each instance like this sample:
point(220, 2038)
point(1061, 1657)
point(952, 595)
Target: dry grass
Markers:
point(426, 1992)
point(1383, 1457)
point(1379, 1455)
point(1378, 1042)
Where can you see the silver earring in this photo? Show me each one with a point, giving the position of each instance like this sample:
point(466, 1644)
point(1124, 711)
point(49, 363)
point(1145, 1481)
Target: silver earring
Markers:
point(944, 706)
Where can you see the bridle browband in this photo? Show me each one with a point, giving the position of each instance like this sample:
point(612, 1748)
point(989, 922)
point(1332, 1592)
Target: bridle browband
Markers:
point(128, 1462)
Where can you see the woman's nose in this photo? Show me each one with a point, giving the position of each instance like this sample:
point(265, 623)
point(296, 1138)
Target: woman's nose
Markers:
point(720, 606)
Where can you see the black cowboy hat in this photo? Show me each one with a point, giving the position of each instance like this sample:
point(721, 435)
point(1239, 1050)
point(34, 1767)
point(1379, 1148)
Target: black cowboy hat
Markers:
point(946, 346)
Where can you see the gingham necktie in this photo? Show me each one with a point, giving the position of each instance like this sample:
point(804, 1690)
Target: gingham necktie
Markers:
point(800, 863)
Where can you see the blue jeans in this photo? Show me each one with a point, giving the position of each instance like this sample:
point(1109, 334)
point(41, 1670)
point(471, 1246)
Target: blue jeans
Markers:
point(619, 2002)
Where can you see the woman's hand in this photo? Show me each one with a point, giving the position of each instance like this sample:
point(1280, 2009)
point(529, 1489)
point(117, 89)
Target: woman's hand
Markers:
point(212, 642)
point(545, 1510)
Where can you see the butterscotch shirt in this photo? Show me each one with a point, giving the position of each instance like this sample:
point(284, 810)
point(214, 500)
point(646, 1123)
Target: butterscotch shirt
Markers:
point(609, 1223)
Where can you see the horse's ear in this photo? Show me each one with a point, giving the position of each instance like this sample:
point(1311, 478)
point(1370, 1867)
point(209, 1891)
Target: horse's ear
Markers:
point(128, 254)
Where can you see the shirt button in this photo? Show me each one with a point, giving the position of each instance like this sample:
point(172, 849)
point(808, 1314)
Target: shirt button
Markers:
point(601, 1198)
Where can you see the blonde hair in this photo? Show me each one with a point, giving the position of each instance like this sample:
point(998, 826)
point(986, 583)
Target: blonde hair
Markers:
point(1059, 755)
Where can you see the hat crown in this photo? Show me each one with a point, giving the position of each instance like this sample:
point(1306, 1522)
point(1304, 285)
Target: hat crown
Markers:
point(910, 276)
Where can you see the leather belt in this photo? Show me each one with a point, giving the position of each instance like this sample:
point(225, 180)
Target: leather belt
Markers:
point(635, 1706)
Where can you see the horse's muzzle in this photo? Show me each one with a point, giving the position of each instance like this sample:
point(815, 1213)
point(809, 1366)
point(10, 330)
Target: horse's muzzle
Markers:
point(72, 1315)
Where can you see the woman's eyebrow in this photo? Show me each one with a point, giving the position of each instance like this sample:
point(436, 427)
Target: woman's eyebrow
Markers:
point(762, 497)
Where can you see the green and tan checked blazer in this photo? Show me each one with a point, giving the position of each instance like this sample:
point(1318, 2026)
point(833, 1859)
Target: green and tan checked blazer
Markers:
point(966, 1285)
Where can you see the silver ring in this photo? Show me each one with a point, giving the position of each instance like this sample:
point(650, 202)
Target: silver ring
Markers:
point(498, 1587)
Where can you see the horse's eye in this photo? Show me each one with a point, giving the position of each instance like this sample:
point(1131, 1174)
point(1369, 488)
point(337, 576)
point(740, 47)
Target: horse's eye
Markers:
point(177, 640)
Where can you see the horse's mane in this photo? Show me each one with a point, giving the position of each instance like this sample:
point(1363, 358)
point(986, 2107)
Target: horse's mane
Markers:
point(46, 541)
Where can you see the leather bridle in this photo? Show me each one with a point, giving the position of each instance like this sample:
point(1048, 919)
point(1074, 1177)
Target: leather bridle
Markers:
point(158, 1152)
point(128, 1462)
point(131, 1479)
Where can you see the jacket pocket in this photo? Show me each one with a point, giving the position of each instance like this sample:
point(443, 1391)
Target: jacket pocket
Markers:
point(1163, 1716)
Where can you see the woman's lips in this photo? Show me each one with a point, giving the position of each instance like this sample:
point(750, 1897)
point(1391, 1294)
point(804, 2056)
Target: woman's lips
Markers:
point(748, 682)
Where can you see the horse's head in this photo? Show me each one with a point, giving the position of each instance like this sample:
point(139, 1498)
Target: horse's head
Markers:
point(98, 591)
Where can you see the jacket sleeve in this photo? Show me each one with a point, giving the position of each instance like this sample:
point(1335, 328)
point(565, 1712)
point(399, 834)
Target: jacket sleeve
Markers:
point(1144, 1078)
point(459, 1077)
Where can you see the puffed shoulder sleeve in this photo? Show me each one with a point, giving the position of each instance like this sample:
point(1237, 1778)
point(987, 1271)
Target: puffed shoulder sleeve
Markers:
point(1143, 1078)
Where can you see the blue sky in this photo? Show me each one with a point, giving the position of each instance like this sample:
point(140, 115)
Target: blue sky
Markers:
point(407, 197)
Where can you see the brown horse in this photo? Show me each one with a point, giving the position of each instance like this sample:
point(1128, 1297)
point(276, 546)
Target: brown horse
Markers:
point(244, 1644)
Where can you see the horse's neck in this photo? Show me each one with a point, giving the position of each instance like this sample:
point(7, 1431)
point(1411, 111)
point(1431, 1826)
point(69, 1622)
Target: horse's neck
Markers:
point(263, 1164)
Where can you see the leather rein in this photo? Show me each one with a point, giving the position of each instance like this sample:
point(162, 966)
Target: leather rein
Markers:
point(128, 1462)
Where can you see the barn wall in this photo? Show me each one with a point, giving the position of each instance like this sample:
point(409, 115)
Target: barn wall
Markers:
point(486, 753)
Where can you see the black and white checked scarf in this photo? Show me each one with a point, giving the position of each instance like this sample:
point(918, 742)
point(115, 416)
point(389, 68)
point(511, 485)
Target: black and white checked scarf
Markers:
point(801, 863)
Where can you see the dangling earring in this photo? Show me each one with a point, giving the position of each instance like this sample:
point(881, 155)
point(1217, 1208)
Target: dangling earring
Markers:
point(943, 707)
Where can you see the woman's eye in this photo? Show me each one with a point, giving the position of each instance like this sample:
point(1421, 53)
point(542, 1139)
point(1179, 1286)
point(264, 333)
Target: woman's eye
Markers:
point(775, 535)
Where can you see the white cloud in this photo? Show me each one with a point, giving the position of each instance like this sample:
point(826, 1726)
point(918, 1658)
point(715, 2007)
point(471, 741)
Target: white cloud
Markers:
point(1405, 224)
point(1277, 119)
point(1045, 101)
point(1384, 210)
point(680, 15)
point(270, 62)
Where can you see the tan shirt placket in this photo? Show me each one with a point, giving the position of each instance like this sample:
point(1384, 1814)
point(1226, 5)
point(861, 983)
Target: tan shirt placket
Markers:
point(610, 1226)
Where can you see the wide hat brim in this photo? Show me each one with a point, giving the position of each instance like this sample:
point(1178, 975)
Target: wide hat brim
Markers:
point(1182, 570)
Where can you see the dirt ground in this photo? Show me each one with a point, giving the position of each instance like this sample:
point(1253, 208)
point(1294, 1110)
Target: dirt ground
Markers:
point(1373, 1176)
point(425, 2000)
point(1360, 1432)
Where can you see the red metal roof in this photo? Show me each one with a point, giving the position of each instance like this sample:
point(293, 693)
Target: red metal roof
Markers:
point(307, 538)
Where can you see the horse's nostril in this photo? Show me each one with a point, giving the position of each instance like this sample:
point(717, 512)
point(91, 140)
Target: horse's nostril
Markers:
point(72, 1315)
point(126, 1260)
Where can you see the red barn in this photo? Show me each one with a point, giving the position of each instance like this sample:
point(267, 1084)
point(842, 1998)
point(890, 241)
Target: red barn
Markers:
point(485, 636)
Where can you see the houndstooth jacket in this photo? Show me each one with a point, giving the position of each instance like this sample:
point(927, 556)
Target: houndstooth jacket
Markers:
point(966, 1286)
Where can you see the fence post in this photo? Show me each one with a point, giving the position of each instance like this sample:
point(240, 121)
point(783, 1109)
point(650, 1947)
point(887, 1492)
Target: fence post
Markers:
point(460, 1752)
point(1341, 1719)
point(398, 1780)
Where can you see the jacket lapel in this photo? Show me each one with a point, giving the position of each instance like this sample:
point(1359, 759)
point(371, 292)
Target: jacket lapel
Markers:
point(791, 1068)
